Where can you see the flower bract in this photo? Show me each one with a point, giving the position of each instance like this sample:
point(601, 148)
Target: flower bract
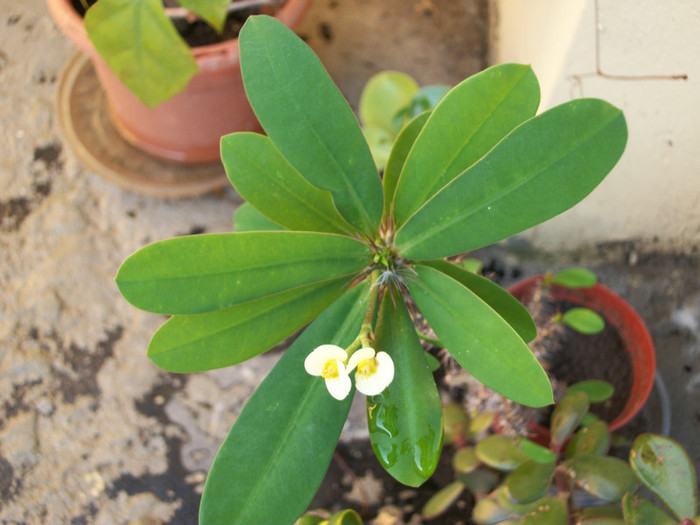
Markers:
point(328, 362)
point(375, 370)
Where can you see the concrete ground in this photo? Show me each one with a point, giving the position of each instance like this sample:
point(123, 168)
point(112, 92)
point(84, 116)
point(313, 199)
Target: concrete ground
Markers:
point(90, 430)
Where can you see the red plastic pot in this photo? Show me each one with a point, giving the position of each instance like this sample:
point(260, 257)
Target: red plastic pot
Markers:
point(631, 328)
point(187, 128)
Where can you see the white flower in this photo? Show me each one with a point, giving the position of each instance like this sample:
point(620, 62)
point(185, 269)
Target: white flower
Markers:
point(328, 362)
point(375, 371)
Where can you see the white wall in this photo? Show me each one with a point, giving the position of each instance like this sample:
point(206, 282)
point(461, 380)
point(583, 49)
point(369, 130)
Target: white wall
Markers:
point(653, 194)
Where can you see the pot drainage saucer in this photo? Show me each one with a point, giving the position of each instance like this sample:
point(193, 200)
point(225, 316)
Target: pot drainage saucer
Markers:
point(83, 115)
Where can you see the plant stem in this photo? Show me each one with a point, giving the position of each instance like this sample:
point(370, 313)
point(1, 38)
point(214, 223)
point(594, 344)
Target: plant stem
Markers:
point(432, 340)
point(362, 339)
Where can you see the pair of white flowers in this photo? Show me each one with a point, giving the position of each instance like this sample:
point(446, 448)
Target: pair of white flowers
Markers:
point(375, 370)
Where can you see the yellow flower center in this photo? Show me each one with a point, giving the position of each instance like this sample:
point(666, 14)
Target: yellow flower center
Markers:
point(367, 367)
point(330, 371)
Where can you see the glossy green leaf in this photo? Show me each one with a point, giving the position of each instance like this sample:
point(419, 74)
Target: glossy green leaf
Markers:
point(345, 517)
point(141, 46)
point(248, 219)
point(606, 477)
point(194, 343)
point(591, 440)
point(310, 519)
point(501, 452)
point(665, 468)
point(405, 420)
point(402, 146)
point(266, 180)
point(530, 481)
point(383, 96)
point(584, 320)
point(597, 390)
point(575, 278)
point(481, 341)
point(465, 460)
point(442, 500)
point(567, 416)
point(213, 11)
point(542, 168)
point(203, 273)
point(638, 511)
point(507, 306)
point(464, 126)
point(287, 430)
point(308, 119)
point(550, 511)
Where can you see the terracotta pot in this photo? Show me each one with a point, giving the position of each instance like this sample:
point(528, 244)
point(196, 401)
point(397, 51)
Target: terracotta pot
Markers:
point(631, 328)
point(186, 128)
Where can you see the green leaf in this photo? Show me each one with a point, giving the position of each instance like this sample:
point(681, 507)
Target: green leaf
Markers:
point(405, 420)
point(265, 179)
point(402, 146)
point(550, 511)
point(194, 343)
point(480, 481)
point(442, 500)
point(567, 416)
point(605, 477)
point(425, 99)
point(455, 422)
point(600, 512)
point(481, 341)
point(575, 278)
point(383, 95)
point(308, 119)
point(465, 460)
point(212, 11)
point(275, 456)
point(464, 126)
point(345, 517)
point(501, 452)
point(542, 168)
point(380, 142)
point(248, 219)
point(203, 273)
point(665, 468)
point(141, 46)
point(638, 511)
point(591, 440)
point(537, 452)
point(507, 306)
point(530, 481)
point(597, 390)
point(487, 512)
point(584, 320)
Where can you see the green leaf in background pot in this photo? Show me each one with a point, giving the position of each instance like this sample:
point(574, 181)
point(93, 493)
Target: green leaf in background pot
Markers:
point(567, 416)
point(262, 176)
point(530, 481)
point(594, 515)
point(550, 511)
point(425, 99)
point(203, 273)
point(575, 278)
point(194, 343)
point(345, 517)
point(464, 126)
point(501, 452)
point(401, 147)
point(142, 47)
point(638, 511)
point(248, 219)
point(479, 339)
point(287, 431)
point(542, 168)
point(537, 452)
point(507, 306)
point(606, 477)
point(584, 320)
point(442, 500)
point(465, 460)
point(591, 440)
point(308, 119)
point(665, 468)
point(383, 96)
point(405, 420)
point(597, 390)
point(380, 142)
point(487, 512)
point(213, 11)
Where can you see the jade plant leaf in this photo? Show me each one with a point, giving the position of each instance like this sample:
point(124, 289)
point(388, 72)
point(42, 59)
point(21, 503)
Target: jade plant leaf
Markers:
point(567, 416)
point(465, 460)
point(203, 273)
point(606, 477)
point(591, 515)
point(262, 176)
point(194, 343)
point(402, 146)
point(537, 452)
point(248, 219)
point(308, 120)
point(584, 320)
point(590, 440)
point(530, 481)
point(501, 452)
point(639, 511)
point(287, 431)
point(481, 341)
point(533, 174)
point(550, 511)
point(142, 47)
point(507, 306)
point(665, 468)
point(442, 500)
point(575, 278)
point(487, 511)
point(213, 11)
point(597, 390)
point(465, 125)
point(405, 420)
point(383, 96)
